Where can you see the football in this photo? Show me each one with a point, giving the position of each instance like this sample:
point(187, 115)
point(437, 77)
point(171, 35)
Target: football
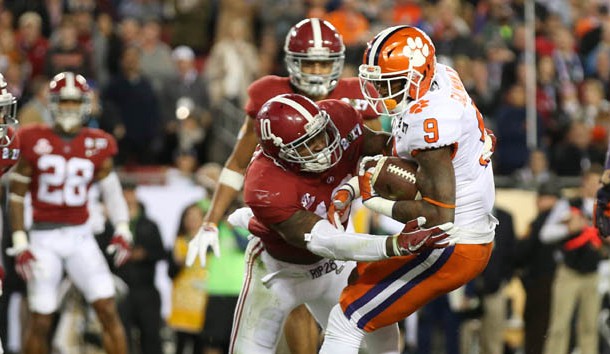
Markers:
point(396, 179)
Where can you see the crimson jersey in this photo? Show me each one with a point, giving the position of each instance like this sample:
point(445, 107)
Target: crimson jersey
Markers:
point(63, 170)
point(274, 194)
point(9, 155)
point(269, 86)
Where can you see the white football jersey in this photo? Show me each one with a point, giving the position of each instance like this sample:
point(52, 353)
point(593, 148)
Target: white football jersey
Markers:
point(447, 116)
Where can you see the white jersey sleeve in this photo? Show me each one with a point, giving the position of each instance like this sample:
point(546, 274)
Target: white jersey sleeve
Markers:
point(446, 116)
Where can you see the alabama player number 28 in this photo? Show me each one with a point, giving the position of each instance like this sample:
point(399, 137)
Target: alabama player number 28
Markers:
point(64, 181)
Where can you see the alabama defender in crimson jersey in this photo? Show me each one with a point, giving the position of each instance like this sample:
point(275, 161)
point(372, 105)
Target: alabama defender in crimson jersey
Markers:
point(308, 150)
point(314, 56)
point(58, 166)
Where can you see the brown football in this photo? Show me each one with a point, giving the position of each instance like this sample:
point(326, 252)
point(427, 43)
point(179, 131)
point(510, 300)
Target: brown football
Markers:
point(396, 179)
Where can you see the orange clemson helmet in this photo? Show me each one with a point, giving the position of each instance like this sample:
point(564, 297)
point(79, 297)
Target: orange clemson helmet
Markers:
point(400, 63)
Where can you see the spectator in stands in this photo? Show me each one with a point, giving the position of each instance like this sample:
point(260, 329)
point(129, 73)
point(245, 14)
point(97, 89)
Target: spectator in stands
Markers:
point(474, 75)
point(575, 154)
point(156, 59)
point(451, 34)
point(601, 71)
point(576, 280)
point(103, 36)
point(10, 53)
point(141, 10)
point(548, 94)
point(511, 131)
point(232, 67)
point(66, 54)
point(236, 11)
point(569, 68)
point(128, 35)
point(183, 170)
point(537, 269)
point(138, 116)
point(593, 101)
point(192, 24)
point(189, 296)
point(353, 26)
point(602, 45)
point(15, 79)
point(141, 309)
point(31, 42)
point(185, 107)
point(535, 173)
point(36, 109)
point(84, 24)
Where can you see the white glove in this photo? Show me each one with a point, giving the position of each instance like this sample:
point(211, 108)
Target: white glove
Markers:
point(120, 244)
point(207, 236)
point(241, 217)
point(24, 258)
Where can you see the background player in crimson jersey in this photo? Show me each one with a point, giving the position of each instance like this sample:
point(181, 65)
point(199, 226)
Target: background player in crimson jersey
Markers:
point(314, 55)
point(307, 151)
point(9, 142)
point(58, 166)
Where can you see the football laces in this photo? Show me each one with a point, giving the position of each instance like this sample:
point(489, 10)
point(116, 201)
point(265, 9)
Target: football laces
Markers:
point(402, 173)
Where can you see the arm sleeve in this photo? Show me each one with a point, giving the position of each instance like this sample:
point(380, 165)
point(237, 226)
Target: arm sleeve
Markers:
point(112, 194)
point(555, 229)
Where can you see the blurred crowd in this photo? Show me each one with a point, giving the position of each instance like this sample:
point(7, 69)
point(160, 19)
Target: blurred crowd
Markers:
point(167, 75)
point(165, 71)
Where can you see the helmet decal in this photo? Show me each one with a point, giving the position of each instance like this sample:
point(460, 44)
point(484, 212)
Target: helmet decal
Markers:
point(295, 133)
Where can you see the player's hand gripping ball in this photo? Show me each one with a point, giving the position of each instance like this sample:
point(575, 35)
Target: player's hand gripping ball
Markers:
point(394, 178)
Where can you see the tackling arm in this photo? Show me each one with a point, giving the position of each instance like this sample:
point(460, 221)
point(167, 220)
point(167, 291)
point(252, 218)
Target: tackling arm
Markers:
point(230, 186)
point(436, 183)
point(305, 229)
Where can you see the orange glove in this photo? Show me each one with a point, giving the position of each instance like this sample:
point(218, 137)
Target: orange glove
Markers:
point(365, 182)
point(340, 205)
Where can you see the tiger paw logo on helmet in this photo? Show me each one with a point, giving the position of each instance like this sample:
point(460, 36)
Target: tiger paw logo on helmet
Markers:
point(417, 50)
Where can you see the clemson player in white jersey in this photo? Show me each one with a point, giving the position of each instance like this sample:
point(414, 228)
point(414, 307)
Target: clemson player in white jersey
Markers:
point(436, 124)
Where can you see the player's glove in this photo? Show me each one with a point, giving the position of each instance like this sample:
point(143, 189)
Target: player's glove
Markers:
point(207, 236)
point(240, 217)
point(602, 211)
point(341, 202)
point(24, 258)
point(414, 240)
point(120, 244)
point(366, 179)
point(489, 145)
point(366, 176)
